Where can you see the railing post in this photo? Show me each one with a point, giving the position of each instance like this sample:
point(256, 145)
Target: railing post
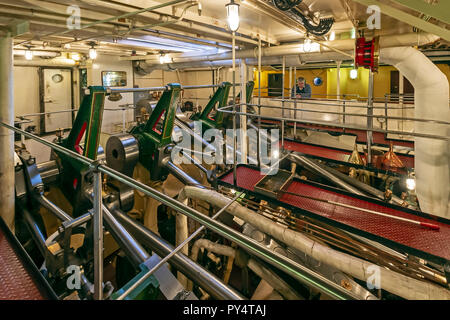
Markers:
point(295, 102)
point(386, 109)
point(343, 116)
point(6, 136)
point(233, 38)
point(98, 235)
point(370, 118)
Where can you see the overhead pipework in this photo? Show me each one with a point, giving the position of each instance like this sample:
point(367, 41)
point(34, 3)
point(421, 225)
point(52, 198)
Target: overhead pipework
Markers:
point(318, 29)
point(333, 185)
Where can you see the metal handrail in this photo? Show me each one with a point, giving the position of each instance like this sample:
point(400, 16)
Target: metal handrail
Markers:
point(327, 123)
point(295, 100)
point(277, 260)
point(125, 90)
point(370, 116)
point(352, 114)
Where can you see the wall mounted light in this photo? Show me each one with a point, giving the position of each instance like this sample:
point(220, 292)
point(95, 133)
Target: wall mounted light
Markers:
point(92, 53)
point(233, 15)
point(353, 74)
point(411, 184)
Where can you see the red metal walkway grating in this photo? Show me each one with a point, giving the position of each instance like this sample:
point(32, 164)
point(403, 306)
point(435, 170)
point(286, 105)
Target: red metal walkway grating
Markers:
point(436, 243)
point(16, 282)
point(333, 154)
point(361, 135)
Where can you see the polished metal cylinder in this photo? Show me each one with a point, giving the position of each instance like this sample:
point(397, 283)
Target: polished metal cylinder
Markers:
point(122, 153)
point(49, 171)
point(57, 211)
point(180, 174)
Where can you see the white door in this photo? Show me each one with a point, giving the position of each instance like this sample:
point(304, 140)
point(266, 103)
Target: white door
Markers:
point(57, 97)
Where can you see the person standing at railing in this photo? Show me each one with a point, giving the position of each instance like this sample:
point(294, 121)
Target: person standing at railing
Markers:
point(301, 90)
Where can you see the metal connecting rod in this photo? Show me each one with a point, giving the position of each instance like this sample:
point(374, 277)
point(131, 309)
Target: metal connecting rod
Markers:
point(215, 287)
point(175, 251)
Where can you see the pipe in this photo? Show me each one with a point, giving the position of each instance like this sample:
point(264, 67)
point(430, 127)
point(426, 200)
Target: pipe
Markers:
point(97, 235)
point(390, 281)
point(6, 136)
point(179, 173)
point(432, 158)
point(216, 288)
point(295, 49)
point(272, 55)
point(35, 232)
point(181, 234)
point(261, 271)
point(60, 214)
point(114, 18)
point(315, 167)
point(362, 186)
point(37, 53)
point(213, 247)
point(45, 63)
point(134, 251)
point(185, 127)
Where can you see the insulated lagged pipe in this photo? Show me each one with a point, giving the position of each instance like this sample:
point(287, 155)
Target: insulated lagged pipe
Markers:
point(401, 285)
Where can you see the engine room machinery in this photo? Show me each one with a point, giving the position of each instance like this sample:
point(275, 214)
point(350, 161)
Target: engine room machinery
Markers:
point(309, 231)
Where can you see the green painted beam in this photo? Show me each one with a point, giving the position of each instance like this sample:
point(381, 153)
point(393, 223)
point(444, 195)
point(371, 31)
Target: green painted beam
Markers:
point(439, 10)
point(407, 18)
point(16, 28)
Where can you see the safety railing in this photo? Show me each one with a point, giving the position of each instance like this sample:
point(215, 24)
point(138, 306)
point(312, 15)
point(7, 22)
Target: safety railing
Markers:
point(232, 109)
point(277, 260)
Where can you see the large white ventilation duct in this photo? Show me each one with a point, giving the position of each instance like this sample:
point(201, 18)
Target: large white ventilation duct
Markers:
point(432, 156)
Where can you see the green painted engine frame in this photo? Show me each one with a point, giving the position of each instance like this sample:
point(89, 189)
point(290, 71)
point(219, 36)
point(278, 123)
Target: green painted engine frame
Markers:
point(151, 140)
point(88, 123)
point(220, 97)
point(248, 91)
